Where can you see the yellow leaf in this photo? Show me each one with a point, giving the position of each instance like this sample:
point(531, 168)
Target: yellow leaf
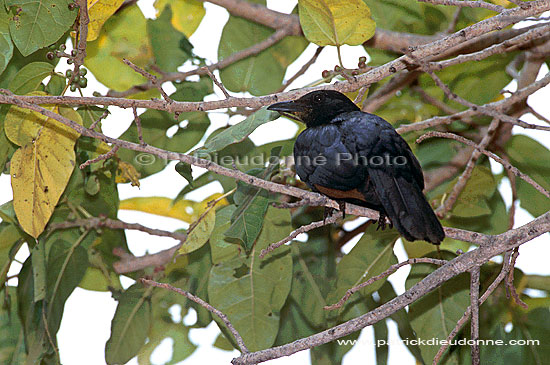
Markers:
point(122, 36)
point(185, 210)
point(41, 168)
point(336, 22)
point(200, 234)
point(127, 173)
point(186, 14)
point(182, 210)
point(99, 11)
point(21, 125)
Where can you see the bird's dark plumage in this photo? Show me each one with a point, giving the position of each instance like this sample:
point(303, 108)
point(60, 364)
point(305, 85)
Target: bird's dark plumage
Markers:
point(359, 158)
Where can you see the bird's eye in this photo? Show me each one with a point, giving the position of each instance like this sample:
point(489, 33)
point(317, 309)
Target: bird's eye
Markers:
point(318, 98)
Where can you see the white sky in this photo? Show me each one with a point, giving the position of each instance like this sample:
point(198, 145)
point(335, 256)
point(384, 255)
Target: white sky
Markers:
point(86, 323)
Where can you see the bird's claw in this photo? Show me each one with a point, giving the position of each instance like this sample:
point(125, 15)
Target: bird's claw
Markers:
point(382, 222)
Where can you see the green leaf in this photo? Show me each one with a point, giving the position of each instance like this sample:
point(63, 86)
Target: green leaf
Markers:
point(163, 329)
point(236, 133)
point(30, 313)
point(184, 169)
point(534, 326)
point(261, 74)
point(67, 264)
point(248, 218)
point(6, 46)
point(200, 234)
point(89, 115)
point(166, 42)
point(187, 14)
point(530, 157)
point(29, 77)
point(38, 254)
point(130, 326)
point(10, 242)
point(336, 22)
point(381, 337)
point(197, 274)
point(473, 200)
point(251, 291)
point(39, 23)
point(155, 124)
point(406, 15)
point(221, 248)
point(12, 342)
point(56, 85)
point(251, 201)
point(223, 343)
point(401, 318)
point(435, 314)
point(372, 255)
point(120, 37)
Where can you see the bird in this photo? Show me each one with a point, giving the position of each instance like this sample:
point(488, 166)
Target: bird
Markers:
point(356, 157)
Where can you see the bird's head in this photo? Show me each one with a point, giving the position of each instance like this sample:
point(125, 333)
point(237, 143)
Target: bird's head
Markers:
point(316, 108)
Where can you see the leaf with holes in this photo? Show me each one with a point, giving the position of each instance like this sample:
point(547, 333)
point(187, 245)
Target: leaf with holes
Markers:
point(39, 23)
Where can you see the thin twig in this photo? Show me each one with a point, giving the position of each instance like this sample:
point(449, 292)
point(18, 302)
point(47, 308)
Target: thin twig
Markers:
point(496, 245)
point(137, 120)
point(96, 222)
point(500, 105)
point(102, 157)
point(152, 78)
point(482, 109)
point(237, 56)
point(503, 162)
point(434, 101)
point(302, 70)
point(215, 80)
point(285, 205)
point(466, 316)
point(538, 115)
point(314, 198)
point(452, 25)
point(474, 322)
point(466, 3)
point(96, 122)
point(465, 176)
point(203, 304)
point(388, 272)
point(510, 280)
point(303, 229)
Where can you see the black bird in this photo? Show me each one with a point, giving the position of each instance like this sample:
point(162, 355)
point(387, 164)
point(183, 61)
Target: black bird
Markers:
point(357, 157)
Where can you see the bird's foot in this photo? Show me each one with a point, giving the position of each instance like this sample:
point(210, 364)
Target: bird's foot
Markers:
point(342, 208)
point(327, 213)
point(382, 222)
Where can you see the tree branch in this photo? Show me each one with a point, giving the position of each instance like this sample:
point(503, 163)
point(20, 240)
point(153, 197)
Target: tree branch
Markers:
point(490, 247)
point(203, 304)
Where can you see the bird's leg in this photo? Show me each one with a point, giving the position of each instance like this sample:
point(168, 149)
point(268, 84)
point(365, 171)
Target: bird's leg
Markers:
point(382, 222)
point(342, 207)
point(327, 213)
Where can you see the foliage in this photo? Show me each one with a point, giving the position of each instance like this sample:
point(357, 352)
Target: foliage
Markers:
point(270, 301)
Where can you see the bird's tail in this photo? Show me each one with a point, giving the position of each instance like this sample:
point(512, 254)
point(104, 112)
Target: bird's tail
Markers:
point(406, 206)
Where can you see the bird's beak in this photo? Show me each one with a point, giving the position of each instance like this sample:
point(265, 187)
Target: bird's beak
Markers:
point(291, 109)
point(288, 107)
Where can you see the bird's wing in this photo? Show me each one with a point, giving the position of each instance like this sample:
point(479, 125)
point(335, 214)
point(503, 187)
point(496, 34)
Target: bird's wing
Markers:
point(398, 180)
